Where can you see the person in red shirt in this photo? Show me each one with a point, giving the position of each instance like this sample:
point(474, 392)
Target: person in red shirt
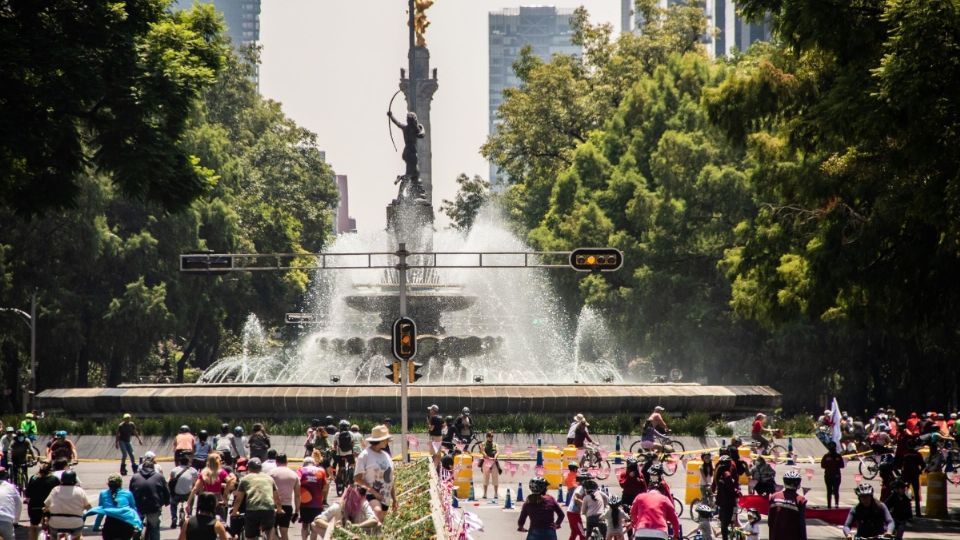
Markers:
point(650, 514)
point(913, 423)
point(757, 430)
point(787, 517)
point(726, 488)
point(631, 481)
point(314, 486)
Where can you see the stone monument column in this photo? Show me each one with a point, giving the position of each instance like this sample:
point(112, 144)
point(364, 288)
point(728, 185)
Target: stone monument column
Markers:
point(419, 102)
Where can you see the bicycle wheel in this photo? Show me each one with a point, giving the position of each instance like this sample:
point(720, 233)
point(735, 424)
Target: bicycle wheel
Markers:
point(595, 534)
point(476, 448)
point(340, 484)
point(636, 447)
point(694, 515)
point(675, 445)
point(869, 467)
point(778, 451)
point(677, 506)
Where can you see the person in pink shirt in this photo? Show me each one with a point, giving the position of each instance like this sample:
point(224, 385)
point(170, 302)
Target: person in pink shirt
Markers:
point(650, 514)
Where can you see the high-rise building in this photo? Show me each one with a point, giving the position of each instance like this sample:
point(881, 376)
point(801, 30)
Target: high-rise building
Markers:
point(545, 28)
point(342, 222)
point(242, 18)
point(727, 31)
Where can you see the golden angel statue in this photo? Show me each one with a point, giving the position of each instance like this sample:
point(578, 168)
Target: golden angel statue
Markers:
point(420, 22)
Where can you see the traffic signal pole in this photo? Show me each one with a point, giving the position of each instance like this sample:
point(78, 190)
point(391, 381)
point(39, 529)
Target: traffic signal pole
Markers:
point(404, 375)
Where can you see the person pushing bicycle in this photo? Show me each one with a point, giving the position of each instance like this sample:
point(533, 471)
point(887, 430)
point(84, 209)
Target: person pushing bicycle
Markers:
point(20, 459)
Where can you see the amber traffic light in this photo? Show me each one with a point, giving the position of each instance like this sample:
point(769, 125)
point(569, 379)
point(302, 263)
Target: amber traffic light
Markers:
point(393, 371)
point(596, 259)
point(404, 338)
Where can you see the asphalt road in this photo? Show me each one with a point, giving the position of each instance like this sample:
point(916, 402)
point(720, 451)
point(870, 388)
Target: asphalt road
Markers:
point(502, 524)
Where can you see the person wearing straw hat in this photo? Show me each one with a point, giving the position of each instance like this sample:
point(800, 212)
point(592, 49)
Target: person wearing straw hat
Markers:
point(580, 433)
point(375, 472)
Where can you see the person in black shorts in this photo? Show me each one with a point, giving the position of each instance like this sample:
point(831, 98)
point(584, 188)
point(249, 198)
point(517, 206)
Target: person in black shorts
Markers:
point(38, 488)
point(435, 424)
point(259, 492)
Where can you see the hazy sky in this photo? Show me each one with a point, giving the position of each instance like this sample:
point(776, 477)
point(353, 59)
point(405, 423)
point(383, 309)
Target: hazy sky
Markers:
point(335, 64)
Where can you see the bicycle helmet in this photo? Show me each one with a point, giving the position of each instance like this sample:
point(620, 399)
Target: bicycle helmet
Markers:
point(184, 429)
point(538, 486)
point(792, 478)
point(724, 458)
point(704, 510)
point(754, 514)
point(10, 429)
point(572, 466)
point(583, 477)
point(448, 420)
point(591, 486)
point(59, 434)
point(224, 428)
point(864, 489)
point(632, 463)
point(315, 423)
point(655, 470)
point(735, 441)
point(203, 433)
point(466, 411)
point(238, 430)
point(344, 425)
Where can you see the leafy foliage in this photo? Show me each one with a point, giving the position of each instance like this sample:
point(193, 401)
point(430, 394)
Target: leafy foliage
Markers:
point(102, 85)
point(472, 193)
point(789, 217)
point(113, 306)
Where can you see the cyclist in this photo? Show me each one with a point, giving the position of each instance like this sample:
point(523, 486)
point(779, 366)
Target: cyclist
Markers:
point(259, 442)
point(592, 506)
point(38, 488)
point(787, 518)
point(756, 432)
point(726, 489)
point(656, 418)
point(573, 510)
point(898, 503)
point(61, 448)
point(181, 481)
point(29, 427)
point(616, 519)
point(581, 434)
point(21, 455)
point(201, 449)
point(314, 486)
point(704, 530)
point(5, 443)
point(119, 508)
point(653, 430)
point(655, 472)
point(343, 450)
point(765, 477)
point(183, 443)
point(541, 509)
point(126, 431)
point(66, 505)
point(752, 528)
point(238, 444)
point(870, 516)
point(223, 443)
point(706, 478)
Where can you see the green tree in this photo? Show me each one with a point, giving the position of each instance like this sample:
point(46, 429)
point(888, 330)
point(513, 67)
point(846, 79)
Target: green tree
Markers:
point(102, 85)
point(472, 193)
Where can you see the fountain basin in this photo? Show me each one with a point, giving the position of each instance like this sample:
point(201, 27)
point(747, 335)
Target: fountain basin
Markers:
point(308, 401)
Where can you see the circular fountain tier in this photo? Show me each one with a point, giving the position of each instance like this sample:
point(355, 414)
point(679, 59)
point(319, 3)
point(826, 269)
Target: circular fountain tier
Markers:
point(426, 303)
point(446, 347)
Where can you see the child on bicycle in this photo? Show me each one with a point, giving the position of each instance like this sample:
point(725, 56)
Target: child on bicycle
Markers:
point(704, 530)
point(752, 528)
point(592, 507)
point(617, 519)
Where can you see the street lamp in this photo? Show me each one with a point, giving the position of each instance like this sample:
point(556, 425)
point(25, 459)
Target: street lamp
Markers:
point(31, 320)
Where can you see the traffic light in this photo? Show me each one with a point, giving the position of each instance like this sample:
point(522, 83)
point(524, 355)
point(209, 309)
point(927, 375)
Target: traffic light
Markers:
point(596, 259)
point(393, 371)
point(413, 374)
point(206, 262)
point(404, 338)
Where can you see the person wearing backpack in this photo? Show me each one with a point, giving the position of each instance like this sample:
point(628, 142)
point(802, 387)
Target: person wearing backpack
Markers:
point(259, 443)
point(151, 493)
point(180, 484)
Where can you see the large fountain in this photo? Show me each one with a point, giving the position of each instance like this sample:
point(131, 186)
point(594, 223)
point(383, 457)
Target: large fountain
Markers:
point(494, 338)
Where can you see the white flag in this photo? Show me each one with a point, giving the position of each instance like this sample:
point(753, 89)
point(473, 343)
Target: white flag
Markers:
point(835, 418)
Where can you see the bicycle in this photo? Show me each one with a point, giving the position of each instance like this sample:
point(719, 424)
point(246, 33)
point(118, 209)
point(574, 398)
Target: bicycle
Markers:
point(21, 474)
point(670, 465)
point(592, 461)
point(772, 449)
point(669, 446)
point(737, 510)
point(344, 475)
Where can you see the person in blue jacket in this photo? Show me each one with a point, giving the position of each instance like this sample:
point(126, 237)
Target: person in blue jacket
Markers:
point(119, 508)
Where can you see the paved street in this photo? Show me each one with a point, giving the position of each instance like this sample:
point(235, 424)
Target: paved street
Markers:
point(500, 523)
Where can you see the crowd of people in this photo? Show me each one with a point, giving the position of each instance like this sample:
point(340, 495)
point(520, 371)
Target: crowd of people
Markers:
point(234, 485)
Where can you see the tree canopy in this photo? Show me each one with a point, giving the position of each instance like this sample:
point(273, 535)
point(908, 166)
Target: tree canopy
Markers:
point(788, 215)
